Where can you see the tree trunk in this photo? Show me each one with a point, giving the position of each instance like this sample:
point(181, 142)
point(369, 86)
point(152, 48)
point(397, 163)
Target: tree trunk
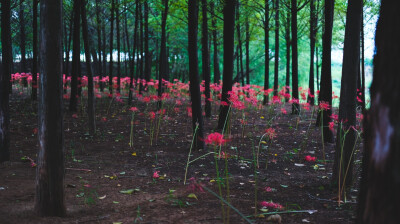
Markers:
point(35, 50)
point(229, 32)
point(197, 117)
point(325, 94)
point(5, 77)
point(379, 197)
point(163, 52)
point(133, 53)
point(147, 63)
point(75, 57)
point(49, 200)
point(343, 165)
point(240, 74)
point(22, 39)
point(287, 39)
point(266, 51)
point(110, 64)
point(310, 98)
point(295, 65)
point(87, 46)
point(217, 73)
point(118, 48)
point(362, 96)
point(247, 46)
point(103, 27)
point(205, 58)
point(98, 28)
point(276, 69)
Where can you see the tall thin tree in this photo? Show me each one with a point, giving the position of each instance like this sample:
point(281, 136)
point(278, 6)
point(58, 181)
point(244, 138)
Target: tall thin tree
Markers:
point(217, 73)
point(197, 117)
point(76, 51)
point(266, 51)
point(325, 94)
point(5, 77)
point(50, 200)
point(205, 58)
point(313, 21)
point(163, 67)
point(276, 57)
point(87, 46)
point(110, 64)
point(34, 49)
point(229, 32)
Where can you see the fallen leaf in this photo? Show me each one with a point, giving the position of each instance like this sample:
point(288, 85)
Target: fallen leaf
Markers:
point(116, 202)
point(305, 220)
point(102, 197)
point(299, 164)
point(284, 186)
point(192, 196)
point(134, 154)
point(129, 191)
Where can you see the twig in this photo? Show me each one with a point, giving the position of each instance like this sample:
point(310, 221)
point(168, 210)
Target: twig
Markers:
point(76, 169)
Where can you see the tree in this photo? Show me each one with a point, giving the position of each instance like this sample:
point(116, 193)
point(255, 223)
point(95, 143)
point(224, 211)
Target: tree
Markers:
point(49, 200)
point(276, 68)
point(197, 117)
point(229, 32)
point(295, 64)
point(98, 29)
point(343, 165)
point(266, 50)
point(379, 198)
point(313, 33)
point(5, 77)
point(133, 52)
point(110, 71)
point(87, 46)
point(288, 42)
point(205, 58)
point(76, 51)
point(163, 69)
point(35, 50)
point(117, 18)
point(22, 37)
point(217, 73)
point(325, 94)
point(147, 57)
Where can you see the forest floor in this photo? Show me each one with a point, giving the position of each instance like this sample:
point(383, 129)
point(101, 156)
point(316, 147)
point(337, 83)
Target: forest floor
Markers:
point(107, 181)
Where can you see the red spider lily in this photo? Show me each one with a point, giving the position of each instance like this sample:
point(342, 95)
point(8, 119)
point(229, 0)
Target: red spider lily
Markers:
point(324, 105)
point(223, 103)
point(309, 158)
point(215, 139)
point(176, 109)
point(35, 131)
point(189, 111)
point(359, 100)
point(283, 111)
point(335, 117)
point(271, 205)
point(276, 100)
point(152, 115)
point(104, 119)
point(133, 109)
point(156, 174)
point(75, 116)
point(331, 126)
point(306, 106)
point(303, 96)
point(194, 186)
point(270, 133)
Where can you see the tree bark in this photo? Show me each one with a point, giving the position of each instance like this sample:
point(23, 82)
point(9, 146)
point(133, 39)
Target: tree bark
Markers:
point(49, 200)
point(325, 94)
point(98, 29)
point(5, 77)
point(266, 51)
point(295, 63)
point(247, 46)
point(75, 57)
point(287, 39)
point(205, 58)
point(35, 50)
point(229, 32)
point(87, 46)
point(147, 62)
point(110, 64)
point(310, 98)
point(343, 164)
point(197, 117)
point(22, 38)
point(133, 52)
point(379, 193)
point(117, 17)
point(276, 68)
point(163, 52)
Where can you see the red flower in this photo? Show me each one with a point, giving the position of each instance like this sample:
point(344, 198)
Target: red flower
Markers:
point(270, 133)
point(271, 205)
point(310, 158)
point(156, 175)
point(324, 105)
point(331, 126)
point(133, 109)
point(215, 139)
